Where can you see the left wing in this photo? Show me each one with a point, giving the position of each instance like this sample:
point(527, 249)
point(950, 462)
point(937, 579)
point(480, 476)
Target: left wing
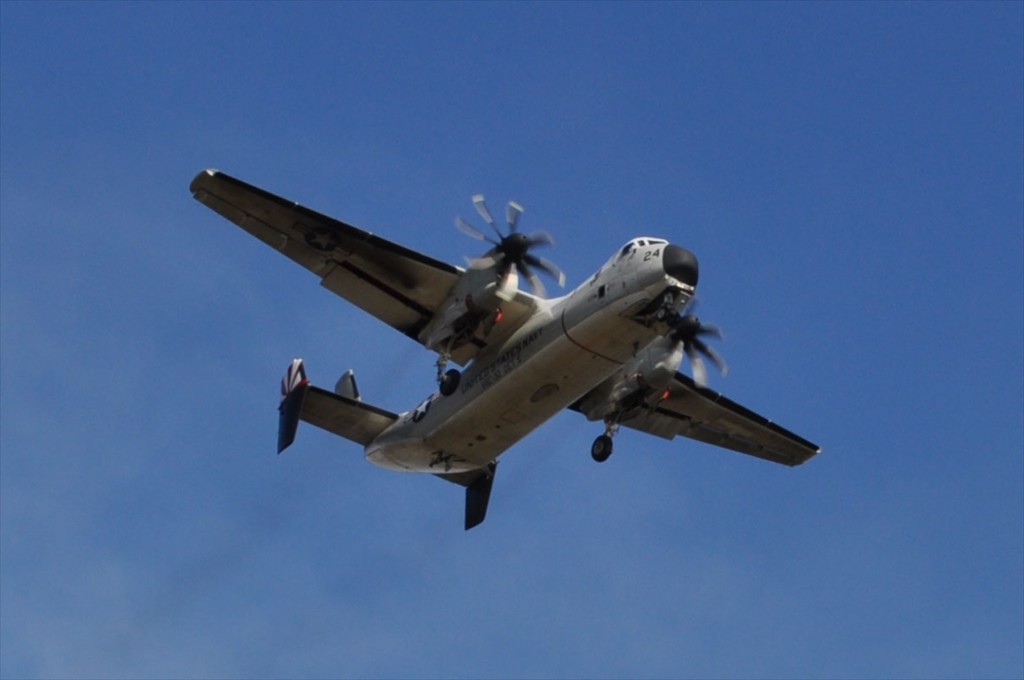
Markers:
point(399, 286)
point(705, 415)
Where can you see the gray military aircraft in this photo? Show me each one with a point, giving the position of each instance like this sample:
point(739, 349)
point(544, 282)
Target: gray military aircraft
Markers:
point(610, 350)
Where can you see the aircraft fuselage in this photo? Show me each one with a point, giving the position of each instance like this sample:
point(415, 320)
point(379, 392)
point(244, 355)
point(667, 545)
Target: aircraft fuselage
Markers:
point(570, 346)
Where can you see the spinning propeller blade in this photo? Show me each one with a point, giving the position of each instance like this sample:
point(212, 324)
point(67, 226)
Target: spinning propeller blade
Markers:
point(512, 214)
point(481, 207)
point(471, 231)
point(546, 266)
point(688, 330)
point(512, 249)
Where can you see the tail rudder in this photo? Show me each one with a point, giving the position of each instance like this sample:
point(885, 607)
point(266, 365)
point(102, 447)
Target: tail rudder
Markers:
point(294, 387)
point(346, 386)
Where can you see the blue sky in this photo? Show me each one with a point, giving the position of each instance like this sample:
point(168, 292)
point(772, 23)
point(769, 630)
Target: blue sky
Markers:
point(850, 176)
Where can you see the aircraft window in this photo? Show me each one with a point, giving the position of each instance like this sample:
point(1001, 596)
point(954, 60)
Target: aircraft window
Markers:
point(641, 243)
point(625, 251)
point(657, 242)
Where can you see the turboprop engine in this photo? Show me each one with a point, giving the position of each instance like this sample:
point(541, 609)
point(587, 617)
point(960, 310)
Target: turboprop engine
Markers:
point(643, 382)
point(639, 383)
point(474, 302)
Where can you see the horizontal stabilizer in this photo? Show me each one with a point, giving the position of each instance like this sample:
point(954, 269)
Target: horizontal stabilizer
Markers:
point(341, 415)
point(345, 417)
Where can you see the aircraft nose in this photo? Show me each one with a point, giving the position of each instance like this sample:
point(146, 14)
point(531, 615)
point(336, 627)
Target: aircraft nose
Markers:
point(681, 264)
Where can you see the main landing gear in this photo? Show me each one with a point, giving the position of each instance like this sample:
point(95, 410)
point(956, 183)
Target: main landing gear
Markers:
point(601, 449)
point(447, 380)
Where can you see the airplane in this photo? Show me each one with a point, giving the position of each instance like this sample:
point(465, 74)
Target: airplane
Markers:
point(610, 349)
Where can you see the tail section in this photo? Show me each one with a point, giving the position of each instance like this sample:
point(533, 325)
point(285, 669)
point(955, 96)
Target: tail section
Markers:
point(343, 413)
point(294, 387)
point(478, 485)
point(346, 386)
point(340, 412)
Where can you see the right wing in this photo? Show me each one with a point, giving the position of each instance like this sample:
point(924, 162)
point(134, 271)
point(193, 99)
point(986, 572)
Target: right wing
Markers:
point(399, 286)
point(705, 415)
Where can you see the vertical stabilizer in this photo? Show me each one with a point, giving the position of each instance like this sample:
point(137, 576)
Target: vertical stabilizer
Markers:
point(294, 386)
point(478, 485)
point(346, 386)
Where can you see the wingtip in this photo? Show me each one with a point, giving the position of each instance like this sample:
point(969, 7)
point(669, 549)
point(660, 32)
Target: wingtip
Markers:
point(196, 186)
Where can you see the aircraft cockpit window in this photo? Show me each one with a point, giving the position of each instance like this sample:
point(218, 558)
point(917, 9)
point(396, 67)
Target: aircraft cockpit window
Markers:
point(657, 242)
point(627, 249)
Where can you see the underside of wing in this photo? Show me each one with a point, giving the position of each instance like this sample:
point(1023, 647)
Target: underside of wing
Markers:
point(705, 415)
point(397, 285)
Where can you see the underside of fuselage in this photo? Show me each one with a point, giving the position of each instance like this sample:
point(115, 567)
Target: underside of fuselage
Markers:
point(576, 342)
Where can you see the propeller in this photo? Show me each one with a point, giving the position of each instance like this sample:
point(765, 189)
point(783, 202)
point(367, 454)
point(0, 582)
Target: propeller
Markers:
point(688, 329)
point(514, 247)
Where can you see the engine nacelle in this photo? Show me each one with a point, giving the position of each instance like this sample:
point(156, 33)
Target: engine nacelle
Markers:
point(656, 364)
point(640, 383)
point(472, 306)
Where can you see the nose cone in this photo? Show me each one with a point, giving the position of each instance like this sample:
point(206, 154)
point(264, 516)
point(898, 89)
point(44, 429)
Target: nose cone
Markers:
point(681, 264)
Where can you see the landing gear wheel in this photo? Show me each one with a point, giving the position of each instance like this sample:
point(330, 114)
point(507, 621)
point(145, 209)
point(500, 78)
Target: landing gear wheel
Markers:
point(450, 382)
point(601, 448)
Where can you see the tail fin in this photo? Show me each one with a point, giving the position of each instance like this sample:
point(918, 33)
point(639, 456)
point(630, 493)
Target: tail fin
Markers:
point(294, 387)
point(346, 386)
point(342, 413)
point(478, 485)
